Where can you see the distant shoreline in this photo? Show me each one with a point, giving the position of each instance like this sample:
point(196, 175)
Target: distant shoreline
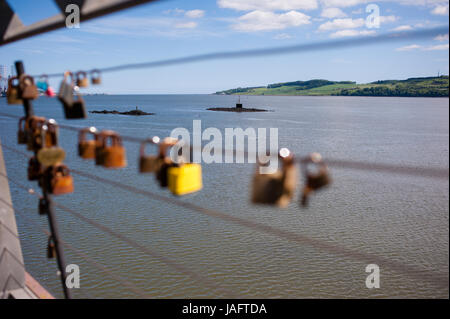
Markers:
point(412, 87)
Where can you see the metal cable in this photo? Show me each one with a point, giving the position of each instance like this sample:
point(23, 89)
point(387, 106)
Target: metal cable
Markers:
point(437, 173)
point(79, 253)
point(437, 279)
point(138, 246)
point(299, 48)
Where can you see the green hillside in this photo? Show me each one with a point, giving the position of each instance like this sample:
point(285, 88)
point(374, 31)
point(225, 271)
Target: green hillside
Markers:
point(413, 87)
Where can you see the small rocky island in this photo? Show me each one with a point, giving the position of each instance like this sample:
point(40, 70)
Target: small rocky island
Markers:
point(135, 112)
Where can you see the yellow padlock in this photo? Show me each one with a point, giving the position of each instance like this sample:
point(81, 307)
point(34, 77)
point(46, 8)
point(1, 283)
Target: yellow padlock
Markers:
point(185, 179)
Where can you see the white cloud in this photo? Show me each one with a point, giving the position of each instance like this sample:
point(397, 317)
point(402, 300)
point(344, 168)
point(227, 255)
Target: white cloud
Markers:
point(440, 10)
point(439, 47)
point(341, 3)
point(409, 47)
point(337, 24)
point(387, 19)
point(403, 28)
point(440, 6)
point(268, 5)
point(333, 13)
point(358, 11)
point(282, 36)
point(195, 14)
point(175, 11)
point(186, 25)
point(442, 37)
point(351, 33)
point(144, 27)
point(265, 21)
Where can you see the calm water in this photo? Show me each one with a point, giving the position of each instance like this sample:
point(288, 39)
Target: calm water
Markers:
point(399, 217)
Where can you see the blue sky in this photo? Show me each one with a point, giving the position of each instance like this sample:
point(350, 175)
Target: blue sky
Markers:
point(174, 28)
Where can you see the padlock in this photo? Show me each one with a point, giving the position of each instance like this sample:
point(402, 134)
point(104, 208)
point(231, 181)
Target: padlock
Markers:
point(50, 92)
point(51, 248)
point(28, 88)
point(276, 188)
point(110, 156)
point(44, 86)
point(13, 93)
point(82, 79)
point(43, 206)
point(34, 169)
point(57, 180)
point(95, 77)
point(165, 162)
point(185, 178)
point(149, 163)
point(314, 181)
point(65, 94)
point(34, 133)
point(42, 83)
point(23, 131)
point(86, 148)
point(50, 154)
point(76, 110)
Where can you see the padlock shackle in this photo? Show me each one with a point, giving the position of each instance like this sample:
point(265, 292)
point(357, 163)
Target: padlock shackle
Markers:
point(87, 130)
point(24, 77)
point(167, 143)
point(148, 141)
point(113, 136)
point(59, 168)
point(314, 159)
point(49, 128)
point(22, 120)
point(44, 78)
point(82, 73)
point(10, 82)
point(95, 72)
point(36, 121)
point(67, 74)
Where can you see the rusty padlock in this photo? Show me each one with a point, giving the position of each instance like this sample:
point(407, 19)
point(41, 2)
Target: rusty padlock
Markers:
point(34, 169)
point(23, 131)
point(110, 155)
point(51, 248)
point(65, 94)
point(57, 180)
point(13, 94)
point(82, 79)
point(314, 181)
point(162, 175)
point(149, 163)
point(28, 88)
point(76, 110)
point(86, 148)
point(275, 188)
point(34, 133)
point(50, 154)
point(96, 77)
